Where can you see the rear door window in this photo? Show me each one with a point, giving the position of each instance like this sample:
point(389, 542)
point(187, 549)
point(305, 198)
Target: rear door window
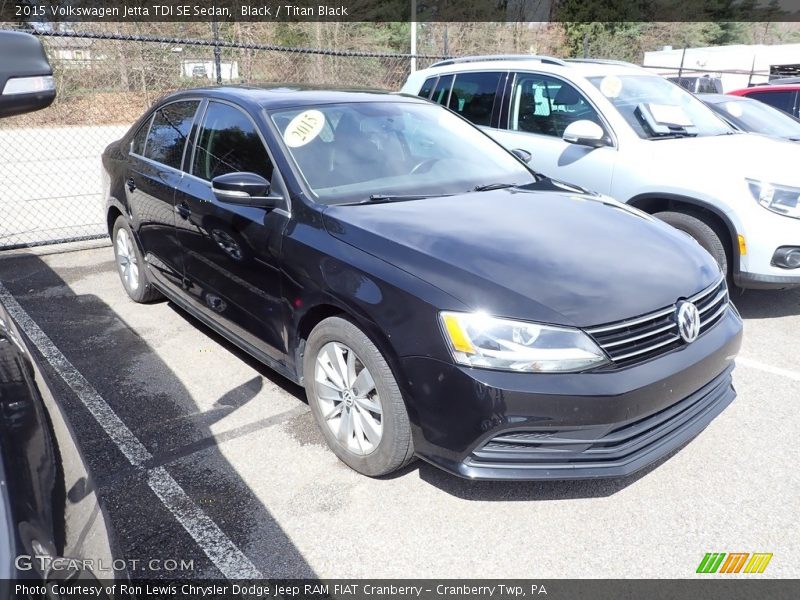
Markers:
point(169, 132)
point(783, 100)
point(441, 93)
point(473, 96)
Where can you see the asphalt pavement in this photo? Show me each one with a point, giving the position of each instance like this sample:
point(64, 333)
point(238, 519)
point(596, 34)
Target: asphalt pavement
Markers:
point(233, 476)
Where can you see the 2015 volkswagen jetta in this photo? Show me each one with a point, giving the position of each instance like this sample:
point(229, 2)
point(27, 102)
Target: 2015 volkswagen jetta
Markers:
point(435, 296)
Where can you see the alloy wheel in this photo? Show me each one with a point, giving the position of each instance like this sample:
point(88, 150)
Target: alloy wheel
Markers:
point(348, 398)
point(126, 260)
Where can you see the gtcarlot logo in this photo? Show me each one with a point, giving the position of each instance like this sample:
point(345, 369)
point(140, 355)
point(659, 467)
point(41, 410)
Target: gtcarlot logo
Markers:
point(48, 564)
point(734, 562)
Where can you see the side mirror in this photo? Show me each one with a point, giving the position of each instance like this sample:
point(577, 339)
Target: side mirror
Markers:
point(523, 155)
point(26, 78)
point(243, 188)
point(585, 133)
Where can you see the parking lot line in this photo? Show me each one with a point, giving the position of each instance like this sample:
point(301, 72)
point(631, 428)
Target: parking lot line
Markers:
point(219, 548)
point(754, 364)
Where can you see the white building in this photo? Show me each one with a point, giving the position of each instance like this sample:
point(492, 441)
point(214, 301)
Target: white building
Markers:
point(738, 65)
point(206, 69)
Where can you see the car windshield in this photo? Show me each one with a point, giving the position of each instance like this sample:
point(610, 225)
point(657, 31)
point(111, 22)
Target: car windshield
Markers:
point(370, 150)
point(656, 108)
point(752, 115)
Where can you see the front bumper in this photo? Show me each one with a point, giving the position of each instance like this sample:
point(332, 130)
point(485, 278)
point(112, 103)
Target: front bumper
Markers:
point(764, 233)
point(755, 281)
point(484, 424)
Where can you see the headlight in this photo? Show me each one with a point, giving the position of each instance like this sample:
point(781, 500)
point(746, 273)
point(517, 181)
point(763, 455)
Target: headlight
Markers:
point(780, 199)
point(479, 340)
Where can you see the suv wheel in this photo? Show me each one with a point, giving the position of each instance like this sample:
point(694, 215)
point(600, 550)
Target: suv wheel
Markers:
point(706, 235)
point(130, 264)
point(355, 399)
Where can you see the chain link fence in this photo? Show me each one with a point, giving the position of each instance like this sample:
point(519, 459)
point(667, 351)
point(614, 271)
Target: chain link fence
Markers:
point(50, 170)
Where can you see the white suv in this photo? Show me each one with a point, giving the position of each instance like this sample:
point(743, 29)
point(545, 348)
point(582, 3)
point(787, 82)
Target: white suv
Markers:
point(614, 128)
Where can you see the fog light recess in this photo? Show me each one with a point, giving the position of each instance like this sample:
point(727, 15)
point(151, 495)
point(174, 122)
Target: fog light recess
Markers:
point(786, 257)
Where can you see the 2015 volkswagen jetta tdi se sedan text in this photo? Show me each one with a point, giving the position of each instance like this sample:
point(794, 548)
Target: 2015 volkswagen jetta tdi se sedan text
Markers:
point(435, 297)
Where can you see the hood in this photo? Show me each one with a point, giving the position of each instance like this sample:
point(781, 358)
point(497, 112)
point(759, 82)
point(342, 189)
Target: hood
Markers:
point(750, 155)
point(560, 258)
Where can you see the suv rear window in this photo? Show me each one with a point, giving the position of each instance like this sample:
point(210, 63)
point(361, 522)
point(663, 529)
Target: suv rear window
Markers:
point(427, 87)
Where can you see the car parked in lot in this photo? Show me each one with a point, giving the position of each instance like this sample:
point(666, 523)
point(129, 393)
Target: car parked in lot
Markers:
point(435, 296)
point(617, 129)
point(784, 97)
point(52, 527)
point(746, 114)
point(702, 84)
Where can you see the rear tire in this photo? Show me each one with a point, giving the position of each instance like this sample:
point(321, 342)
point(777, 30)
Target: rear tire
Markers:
point(355, 399)
point(131, 267)
point(707, 235)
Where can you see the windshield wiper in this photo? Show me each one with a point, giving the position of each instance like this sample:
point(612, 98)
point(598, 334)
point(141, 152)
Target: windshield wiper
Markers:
point(383, 198)
point(673, 135)
point(492, 186)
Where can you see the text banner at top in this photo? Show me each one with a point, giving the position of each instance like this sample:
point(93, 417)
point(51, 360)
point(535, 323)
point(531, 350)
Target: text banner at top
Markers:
point(66, 11)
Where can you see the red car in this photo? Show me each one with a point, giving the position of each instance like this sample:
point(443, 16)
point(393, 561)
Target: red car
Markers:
point(784, 97)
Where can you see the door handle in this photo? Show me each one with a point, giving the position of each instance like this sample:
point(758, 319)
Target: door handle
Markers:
point(183, 210)
point(131, 184)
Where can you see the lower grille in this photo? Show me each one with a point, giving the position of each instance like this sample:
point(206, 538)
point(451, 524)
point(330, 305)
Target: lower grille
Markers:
point(604, 444)
point(642, 338)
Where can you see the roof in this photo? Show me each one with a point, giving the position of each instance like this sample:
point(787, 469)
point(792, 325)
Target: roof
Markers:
point(579, 67)
point(766, 88)
point(286, 96)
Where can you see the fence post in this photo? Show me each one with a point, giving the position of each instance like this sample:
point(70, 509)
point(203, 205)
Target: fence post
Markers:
point(217, 51)
point(413, 35)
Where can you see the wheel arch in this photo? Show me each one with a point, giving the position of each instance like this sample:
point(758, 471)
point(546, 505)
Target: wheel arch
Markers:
point(652, 203)
point(114, 211)
point(329, 307)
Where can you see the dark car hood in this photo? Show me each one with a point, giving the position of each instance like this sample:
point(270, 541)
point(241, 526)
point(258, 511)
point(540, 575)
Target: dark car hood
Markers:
point(561, 258)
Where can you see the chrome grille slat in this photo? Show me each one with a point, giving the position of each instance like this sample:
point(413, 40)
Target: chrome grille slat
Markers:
point(632, 322)
point(647, 349)
point(715, 301)
point(699, 296)
point(639, 337)
point(716, 315)
point(647, 336)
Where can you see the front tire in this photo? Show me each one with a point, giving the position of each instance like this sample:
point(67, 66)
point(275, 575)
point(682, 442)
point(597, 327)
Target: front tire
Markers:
point(355, 399)
point(707, 235)
point(130, 264)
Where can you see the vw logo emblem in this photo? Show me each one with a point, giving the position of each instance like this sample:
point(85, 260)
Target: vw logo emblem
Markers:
point(688, 319)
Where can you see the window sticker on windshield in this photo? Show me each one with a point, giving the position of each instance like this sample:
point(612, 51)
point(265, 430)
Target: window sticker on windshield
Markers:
point(304, 128)
point(611, 86)
point(733, 108)
point(669, 114)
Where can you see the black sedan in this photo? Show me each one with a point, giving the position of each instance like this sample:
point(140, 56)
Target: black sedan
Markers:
point(753, 116)
point(435, 297)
